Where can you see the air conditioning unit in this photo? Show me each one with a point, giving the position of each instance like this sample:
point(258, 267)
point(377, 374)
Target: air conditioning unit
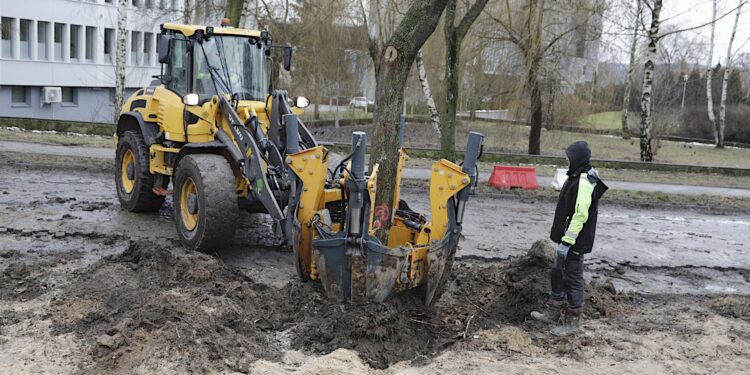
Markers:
point(51, 94)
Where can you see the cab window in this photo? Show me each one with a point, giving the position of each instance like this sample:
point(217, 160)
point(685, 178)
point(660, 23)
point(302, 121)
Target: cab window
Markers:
point(178, 69)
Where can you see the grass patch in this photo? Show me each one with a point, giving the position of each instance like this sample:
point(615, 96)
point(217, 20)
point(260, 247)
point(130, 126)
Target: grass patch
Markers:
point(55, 138)
point(602, 120)
point(514, 138)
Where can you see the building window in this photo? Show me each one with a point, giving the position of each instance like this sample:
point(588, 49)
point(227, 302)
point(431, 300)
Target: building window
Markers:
point(109, 36)
point(41, 40)
point(59, 41)
point(25, 39)
point(148, 42)
point(70, 96)
point(90, 43)
point(6, 29)
point(135, 50)
point(20, 96)
point(75, 32)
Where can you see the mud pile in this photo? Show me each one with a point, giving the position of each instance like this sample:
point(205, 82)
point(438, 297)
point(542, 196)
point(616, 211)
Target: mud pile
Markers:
point(153, 310)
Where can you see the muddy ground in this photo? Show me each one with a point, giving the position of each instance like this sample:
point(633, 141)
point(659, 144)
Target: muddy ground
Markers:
point(88, 288)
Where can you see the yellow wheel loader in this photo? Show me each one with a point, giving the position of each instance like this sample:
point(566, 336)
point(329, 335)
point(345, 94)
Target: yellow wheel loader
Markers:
point(213, 126)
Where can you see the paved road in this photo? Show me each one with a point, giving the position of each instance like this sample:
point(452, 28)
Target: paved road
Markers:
point(409, 173)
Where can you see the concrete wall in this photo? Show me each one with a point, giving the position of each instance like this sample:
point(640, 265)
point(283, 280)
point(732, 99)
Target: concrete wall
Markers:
point(91, 105)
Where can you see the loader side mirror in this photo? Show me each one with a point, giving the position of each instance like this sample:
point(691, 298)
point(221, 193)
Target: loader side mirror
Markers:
point(165, 44)
point(288, 57)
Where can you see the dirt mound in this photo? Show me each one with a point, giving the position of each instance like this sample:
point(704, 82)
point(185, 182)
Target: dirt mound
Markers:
point(147, 304)
point(149, 307)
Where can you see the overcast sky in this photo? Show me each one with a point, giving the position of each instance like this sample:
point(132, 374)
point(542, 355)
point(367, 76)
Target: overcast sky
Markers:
point(679, 14)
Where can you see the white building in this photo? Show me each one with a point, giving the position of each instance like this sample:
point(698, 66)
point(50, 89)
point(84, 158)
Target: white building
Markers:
point(57, 56)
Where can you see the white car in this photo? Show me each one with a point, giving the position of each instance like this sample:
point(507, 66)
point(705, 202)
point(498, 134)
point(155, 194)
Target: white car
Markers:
point(359, 102)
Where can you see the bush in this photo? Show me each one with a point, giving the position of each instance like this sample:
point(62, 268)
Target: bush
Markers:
point(694, 123)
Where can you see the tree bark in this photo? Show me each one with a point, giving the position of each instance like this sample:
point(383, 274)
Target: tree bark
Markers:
point(709, 71)
point(727, 68)
point(234, 11)
point(648, 80)
point(532, 60)
point(396, 61)
point(431, 108)
point(120, 55)
point(629, 81)
point(454, 35)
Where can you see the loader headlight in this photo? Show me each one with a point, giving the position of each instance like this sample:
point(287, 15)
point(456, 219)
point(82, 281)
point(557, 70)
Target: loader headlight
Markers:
point(191, 99)
point(301, 102)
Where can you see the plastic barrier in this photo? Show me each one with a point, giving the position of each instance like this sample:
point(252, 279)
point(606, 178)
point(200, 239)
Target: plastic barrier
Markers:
point(507, 177)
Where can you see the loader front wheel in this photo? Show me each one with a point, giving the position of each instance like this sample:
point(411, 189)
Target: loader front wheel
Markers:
point(205, 202)
point(133, 179)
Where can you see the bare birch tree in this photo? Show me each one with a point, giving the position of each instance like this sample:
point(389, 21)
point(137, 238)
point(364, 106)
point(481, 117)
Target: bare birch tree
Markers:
point(648, 81)
point(654, 37)
point(727, 69)
point(120, 54)
point(709, 71)
point(431, 108)
point(631, 66)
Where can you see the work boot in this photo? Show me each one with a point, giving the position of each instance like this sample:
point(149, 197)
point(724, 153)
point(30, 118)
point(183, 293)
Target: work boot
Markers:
point(551, 311)
point(571, 325)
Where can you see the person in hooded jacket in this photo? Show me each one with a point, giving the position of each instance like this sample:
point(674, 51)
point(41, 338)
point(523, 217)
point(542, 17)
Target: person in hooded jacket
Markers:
point(573, 230)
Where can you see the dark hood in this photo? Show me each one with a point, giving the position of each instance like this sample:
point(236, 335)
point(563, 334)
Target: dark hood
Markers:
point(579, 156)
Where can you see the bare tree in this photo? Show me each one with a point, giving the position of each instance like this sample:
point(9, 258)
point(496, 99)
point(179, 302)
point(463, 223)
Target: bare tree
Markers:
point(629, 80)
point(120, 54)
point(431, 108)
point(727, 69)
point(417, 24)
point(654, 37)
point(524, 28)
point(709, 95)
point(454, 36)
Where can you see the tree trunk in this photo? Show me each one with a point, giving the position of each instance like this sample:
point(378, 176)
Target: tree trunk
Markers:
point(234, 11)
point(535, 98)
point(188, 12)
point(648, 81)
point(431, 108)
point(533, 59)
point(120, 54)
point(709, 95)
point(454, 35)
point(727, 68)
point(448, 128)
point(396, 61)
point(624, 129)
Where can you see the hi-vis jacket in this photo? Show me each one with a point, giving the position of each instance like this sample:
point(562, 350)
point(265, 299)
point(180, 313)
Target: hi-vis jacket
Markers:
point(576, 213)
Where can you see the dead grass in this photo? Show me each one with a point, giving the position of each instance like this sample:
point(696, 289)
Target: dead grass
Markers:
point(514, 138)
point(52, 138)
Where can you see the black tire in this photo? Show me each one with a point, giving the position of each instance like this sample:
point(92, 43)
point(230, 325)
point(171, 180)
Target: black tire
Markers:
point(215, 220)
point(135, 195)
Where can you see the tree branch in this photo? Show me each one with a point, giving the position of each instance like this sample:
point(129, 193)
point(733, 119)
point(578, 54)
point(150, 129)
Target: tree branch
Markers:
point(659, 37)
point(471, 15)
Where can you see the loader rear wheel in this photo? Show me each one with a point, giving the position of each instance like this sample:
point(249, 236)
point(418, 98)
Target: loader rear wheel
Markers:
point(132, 177)
point(205, 202)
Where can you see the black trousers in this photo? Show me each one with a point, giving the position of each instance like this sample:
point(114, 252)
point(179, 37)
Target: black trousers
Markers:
point(567, 280)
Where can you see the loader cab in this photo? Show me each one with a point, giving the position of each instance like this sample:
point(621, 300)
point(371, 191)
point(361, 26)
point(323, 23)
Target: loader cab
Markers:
point(208, 61)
